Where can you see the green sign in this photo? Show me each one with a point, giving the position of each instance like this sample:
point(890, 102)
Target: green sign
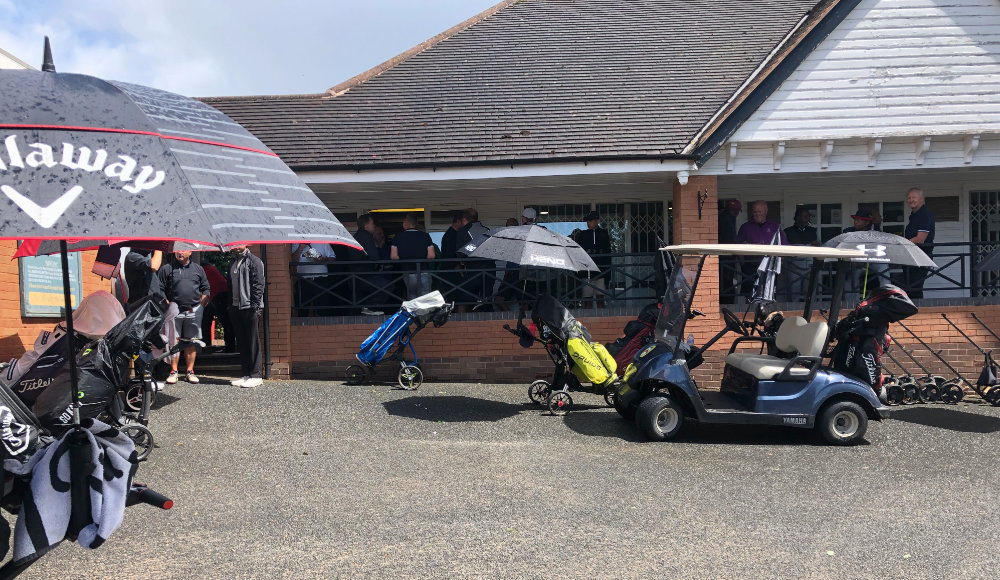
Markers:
point(42, 285)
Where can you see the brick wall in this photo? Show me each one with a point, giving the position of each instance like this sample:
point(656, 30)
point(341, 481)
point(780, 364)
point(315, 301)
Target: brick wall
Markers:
point(18, 334)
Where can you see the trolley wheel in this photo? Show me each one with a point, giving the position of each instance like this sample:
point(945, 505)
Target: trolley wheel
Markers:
point(992, 396)
point(142, 437)
point(911, 394)
point(539, 391)
point(929, 390)
point(952, 392)
point(610, 393)
point(560, 402)
point(894, 394)
point(410, 377)
point(132, 396)
point(355, 375)
point(659, 417)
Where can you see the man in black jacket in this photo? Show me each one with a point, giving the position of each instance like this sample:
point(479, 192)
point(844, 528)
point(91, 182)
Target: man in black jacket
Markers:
point(595, 240)
point(246, 285)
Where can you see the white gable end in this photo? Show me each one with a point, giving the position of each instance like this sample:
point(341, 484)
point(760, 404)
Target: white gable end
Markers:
point(893, 68)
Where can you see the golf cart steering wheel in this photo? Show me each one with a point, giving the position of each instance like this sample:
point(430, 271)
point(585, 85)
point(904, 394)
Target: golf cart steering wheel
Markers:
point(733, 322)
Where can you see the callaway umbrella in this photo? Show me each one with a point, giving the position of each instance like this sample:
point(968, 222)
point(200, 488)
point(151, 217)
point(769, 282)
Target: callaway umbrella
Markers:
point(85, 159)
point(530, 245)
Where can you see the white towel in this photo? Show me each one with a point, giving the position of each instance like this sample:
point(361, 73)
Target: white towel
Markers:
point(45, 509)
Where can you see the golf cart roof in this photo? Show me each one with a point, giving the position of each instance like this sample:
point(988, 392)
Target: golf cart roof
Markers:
point(818, 252)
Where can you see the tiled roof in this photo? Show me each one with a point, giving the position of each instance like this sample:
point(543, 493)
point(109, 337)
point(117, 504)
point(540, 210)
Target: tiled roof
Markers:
point(535, 80)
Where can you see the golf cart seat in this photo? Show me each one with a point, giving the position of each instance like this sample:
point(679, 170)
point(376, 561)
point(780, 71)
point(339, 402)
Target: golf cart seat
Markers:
point(795, 335)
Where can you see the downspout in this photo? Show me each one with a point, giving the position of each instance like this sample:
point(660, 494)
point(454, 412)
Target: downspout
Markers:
point(267, 317)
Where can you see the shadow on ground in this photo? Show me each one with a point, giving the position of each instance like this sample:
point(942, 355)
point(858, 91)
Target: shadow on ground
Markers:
point(950, 419)
point(452, 409)
point(162, 400)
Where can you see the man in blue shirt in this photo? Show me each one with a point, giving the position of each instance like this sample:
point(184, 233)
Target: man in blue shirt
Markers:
point(920, 231)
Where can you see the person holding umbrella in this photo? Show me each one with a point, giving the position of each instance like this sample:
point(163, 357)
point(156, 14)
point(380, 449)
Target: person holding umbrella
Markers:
point(246, 285)
point(595, 240)
point(140, 275)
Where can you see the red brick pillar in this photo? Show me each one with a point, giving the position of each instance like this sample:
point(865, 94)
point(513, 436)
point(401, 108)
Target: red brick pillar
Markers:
point(689, 228)
point(279, 308)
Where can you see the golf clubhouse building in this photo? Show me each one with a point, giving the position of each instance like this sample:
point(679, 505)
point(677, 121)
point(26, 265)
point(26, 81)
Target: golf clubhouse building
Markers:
point(651, 113)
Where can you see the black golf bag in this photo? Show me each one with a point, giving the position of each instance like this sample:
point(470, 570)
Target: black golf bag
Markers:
point(863, 335)
point(637, 334)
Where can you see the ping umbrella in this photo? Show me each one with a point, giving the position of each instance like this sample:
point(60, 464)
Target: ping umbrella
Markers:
point(530, 245)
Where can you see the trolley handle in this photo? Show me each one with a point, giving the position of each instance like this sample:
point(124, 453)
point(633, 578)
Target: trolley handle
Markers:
point(140, 493)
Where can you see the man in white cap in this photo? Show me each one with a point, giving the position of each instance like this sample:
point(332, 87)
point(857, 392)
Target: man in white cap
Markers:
point(528, 216)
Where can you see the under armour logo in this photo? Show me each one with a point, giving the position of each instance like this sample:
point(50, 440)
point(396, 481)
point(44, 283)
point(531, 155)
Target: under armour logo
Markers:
point(876, 252)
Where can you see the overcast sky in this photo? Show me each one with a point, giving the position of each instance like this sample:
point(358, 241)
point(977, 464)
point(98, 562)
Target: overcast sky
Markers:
point(204, 48)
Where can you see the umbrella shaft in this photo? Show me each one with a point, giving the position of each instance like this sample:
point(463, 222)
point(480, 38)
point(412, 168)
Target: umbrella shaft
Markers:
point(70, 337)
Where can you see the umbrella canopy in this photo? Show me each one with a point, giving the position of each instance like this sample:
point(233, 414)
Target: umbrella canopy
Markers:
point(87, 159)
point(532, 246)
point(883, 248)
point(767, 274)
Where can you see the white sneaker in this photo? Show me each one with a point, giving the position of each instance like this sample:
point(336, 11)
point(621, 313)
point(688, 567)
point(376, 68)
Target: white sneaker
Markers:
point(239, 382)
point(252, 382)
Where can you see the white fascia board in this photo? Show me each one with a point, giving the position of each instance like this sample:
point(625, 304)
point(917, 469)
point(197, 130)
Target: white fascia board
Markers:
point(499, 171)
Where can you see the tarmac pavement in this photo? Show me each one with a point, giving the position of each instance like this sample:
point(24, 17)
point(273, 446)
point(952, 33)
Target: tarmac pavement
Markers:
point(304, 479)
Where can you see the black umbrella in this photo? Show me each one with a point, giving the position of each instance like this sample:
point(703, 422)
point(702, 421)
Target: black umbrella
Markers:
point(882, 248)
point(87, 159)
point(530, 245)
point(767, 275)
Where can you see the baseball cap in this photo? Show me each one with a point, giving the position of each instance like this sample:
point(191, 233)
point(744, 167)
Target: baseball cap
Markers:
point(734, 204)
point(862, 214)
point(529, 212)
point(593, 215)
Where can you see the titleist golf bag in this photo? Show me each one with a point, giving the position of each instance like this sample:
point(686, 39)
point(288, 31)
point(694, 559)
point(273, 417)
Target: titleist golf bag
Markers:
point(862, 336)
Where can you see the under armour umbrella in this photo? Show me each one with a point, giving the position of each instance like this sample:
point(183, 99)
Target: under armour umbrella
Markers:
point(530, 245)
point(882, 248)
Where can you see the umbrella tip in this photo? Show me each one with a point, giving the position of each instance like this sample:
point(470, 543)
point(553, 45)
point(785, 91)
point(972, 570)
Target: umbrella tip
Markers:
point(47, 65)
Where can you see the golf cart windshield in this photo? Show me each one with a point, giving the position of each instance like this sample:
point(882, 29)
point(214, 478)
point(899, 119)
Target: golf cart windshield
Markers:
point(676, 302)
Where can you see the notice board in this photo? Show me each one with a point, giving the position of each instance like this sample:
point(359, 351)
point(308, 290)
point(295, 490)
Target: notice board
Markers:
point(42, 285)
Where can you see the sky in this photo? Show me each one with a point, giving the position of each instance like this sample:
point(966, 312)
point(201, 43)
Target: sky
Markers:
point(207, 48)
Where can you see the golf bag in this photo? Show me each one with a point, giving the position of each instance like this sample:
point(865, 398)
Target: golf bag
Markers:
point(102, 366)
point(589, 361)
point(429, 308)
point(638, 333)
point(863, 335)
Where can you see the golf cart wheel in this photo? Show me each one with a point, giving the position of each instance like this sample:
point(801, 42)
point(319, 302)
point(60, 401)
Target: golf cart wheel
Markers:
point(539, 391)
point(894, 394)
point(843, 423)
point(659, 417)
point(911, 394)
point(627, 413)
point(952, 393)
point(141, 437)
point(559, 403)
point(355, 375)
point(410, 377)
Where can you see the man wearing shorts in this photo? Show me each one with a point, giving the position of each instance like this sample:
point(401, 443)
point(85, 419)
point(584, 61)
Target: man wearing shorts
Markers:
point(185, 285)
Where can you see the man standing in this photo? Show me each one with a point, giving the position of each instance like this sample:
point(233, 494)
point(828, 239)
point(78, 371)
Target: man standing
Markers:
point(920, 231)
point(728, 265)
point(413, 244)
point(140, 275)
point(246, 285)
point(185, 284)
point(866, 277)
point(595, 240)
point(477, 277)
point(312, 277)
point(757, 230)
point(800, 233)
point(528, 216)
point(365, 236)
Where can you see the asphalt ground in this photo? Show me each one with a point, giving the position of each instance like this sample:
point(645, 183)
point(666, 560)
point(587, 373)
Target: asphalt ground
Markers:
point(321, 480)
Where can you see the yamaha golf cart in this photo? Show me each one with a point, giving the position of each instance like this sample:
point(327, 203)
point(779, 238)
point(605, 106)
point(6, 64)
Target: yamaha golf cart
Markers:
point(784, 383)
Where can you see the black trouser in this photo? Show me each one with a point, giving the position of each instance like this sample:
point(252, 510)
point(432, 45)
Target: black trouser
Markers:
point(247, 341)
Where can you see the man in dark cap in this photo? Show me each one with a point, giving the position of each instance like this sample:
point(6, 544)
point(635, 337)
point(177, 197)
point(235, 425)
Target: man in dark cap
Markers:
point(862, 279)
point(595, 240)
point(796, 273)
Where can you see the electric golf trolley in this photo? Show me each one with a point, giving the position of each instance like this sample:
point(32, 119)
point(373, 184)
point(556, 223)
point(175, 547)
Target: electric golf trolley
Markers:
point(793, 388)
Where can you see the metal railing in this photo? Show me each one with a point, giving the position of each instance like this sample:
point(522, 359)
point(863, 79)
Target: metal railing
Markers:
point(952, 278)
point(474, 285)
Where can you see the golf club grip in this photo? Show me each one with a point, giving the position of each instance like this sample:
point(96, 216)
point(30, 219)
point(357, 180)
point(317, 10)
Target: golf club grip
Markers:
point(141, 494)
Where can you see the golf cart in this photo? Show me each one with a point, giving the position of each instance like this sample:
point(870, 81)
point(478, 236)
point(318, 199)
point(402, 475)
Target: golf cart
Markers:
point(789, 387)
